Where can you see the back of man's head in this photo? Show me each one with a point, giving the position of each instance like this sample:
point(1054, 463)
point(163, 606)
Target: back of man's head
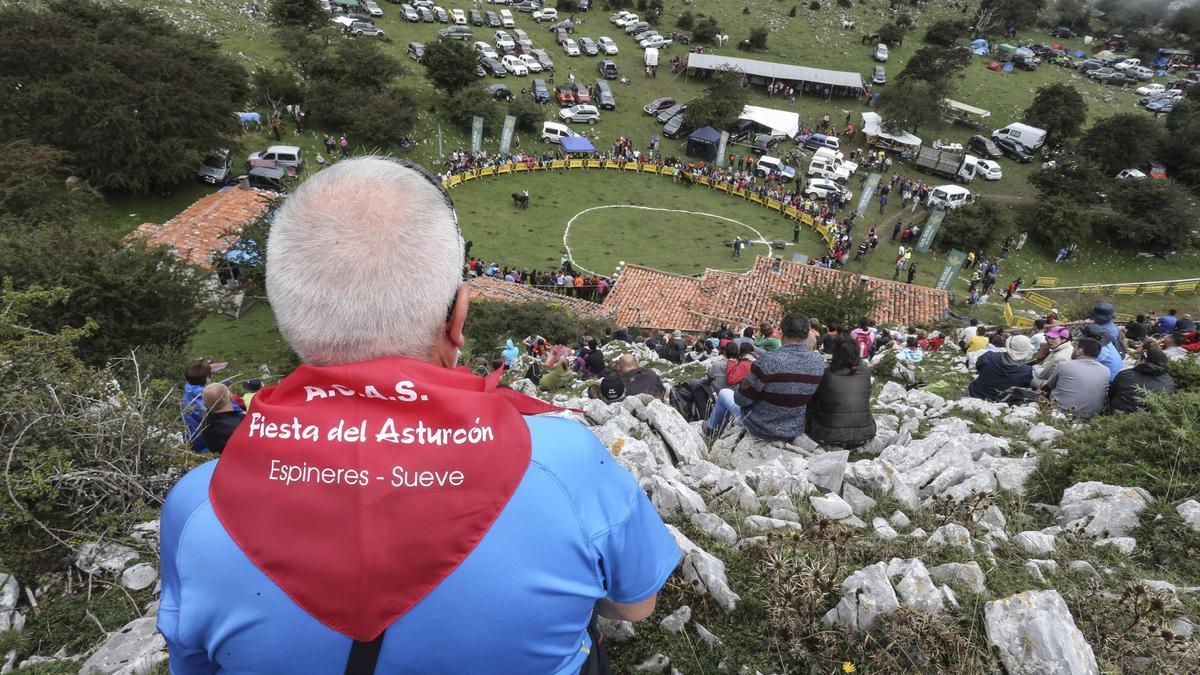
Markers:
point(217, 397)
point(1171, 312)
point(748, 331)
point(794, 326)
point(197, 373)
point(362, 263)
point(1089, 347)
point(626, 363)
point(974, 322)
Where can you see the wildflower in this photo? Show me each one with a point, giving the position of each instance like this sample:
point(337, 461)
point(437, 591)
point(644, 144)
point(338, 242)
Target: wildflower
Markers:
point(849, 667)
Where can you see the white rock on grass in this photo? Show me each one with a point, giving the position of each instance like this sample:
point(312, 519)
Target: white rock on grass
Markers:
point(951, 535)
point(713, 525)
point(1082, 567)
point(964, 575)
point(858, 500)
point(706, 635)
point(1043, 434)
point(1034, 543)
point(140, 576)
point(676, 621)
point(1190, 512)
point(704, 571)
point(683, 439)
point(9, 592)
point(95, 558)
point(827, 470)
point(763, 524)
point(1035, 633)
point(898, 519)
point(1035, 571)
point(657, 663)
point(733, 490)
point(883, 530)
point(672, 498)
point(612, 629)
point(1102, 510)
point(916, 589)
point(866, 595)
point(1123, 544)
point(135, 648)
point(831, 506)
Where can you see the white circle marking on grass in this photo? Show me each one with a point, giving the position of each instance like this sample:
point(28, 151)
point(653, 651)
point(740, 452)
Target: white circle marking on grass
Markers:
point(567, 230)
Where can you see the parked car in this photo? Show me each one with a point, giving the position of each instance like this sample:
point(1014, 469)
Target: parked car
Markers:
point(1014, 150)
point(492, 19)
point(668, 113)
point(289, 157)
point(561, 36)
point(625, 18)
point(639, 27)
point(588, 46)
point(1134, 174)
point(1100, 73)
point(650, 32)
point(582, 95)
point(1119, 79)
point(521, 36)
point(603, 95)
point(459, 17)
point(476, 17)
point(514, 65)
point(268, 178)
point(506, 18)
point(824, 188)
point(767, 165)
point(1063, 32)
point(743, 129)
point(426, 14)
point(763, 143)
point(1087, 65)
point(580, 113)
point(441, 15)
point(539, 91)
point(1142, 73)
point(658, 105)
point(456, 33)
point(553, 132)
point(216, 167)
point(1127, 63)
point(881, 52)
point(1146, 90)
point(984, 146)
point(416, 51)
point(372, 7)
point(503, 41)
point(564, 94)
point(989, 169)
point(527, 6)
point(484, 49)
point(544, 59)
point(545, 14)
point(568, 26)
point(531, 63)
point(654, 42)
point(608, 69)
point(1165, 105)
point(878, 75)
point(1156, 170)
point(410, 13)
point(607, 46)
point(818, 141)
point(674, 127)
point(493, 67)
point(571, 47)
point(363, 28)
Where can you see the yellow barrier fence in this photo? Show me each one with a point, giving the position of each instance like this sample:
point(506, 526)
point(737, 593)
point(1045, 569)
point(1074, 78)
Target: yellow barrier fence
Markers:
point(1185, 287)
point(1008, 314)
point(1156, 289)
point(1045, 282)
point(1039, 300)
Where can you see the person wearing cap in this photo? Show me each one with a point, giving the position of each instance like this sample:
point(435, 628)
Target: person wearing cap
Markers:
point(612, 388)
point(1103, 315)
point(1128, 391)
point(1109, 356)
point(1002, 369)
point(381, 509)
point(1080, 386)
point(1055, 350)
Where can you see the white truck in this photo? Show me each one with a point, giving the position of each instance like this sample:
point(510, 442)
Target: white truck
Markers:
point(651, 57)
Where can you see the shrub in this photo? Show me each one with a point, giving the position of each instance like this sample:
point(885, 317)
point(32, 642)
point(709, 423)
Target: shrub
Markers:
point(944, 33)
point(814, 6)
point(706, 30)
point(792, 13)
point(845, 4)
point(758, 37)
point(975, 227)
point(528, 112)
point(490, 323)
point(567, 5)
point(1186, 373)
point(841, 303)
point(1163, 459)
point(686, 21)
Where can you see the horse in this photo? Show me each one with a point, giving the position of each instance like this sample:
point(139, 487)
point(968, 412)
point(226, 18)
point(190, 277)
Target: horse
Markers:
point(686, 178)
point(248, 118)
point(847, 25)
point(520, 200)
point(871, 38)
point(722, 39)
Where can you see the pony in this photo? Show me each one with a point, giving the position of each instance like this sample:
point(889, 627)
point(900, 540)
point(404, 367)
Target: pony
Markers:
point(847, 25)
point(520, 200)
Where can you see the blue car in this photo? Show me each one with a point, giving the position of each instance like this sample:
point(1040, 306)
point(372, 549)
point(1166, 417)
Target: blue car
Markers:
point(818, 141)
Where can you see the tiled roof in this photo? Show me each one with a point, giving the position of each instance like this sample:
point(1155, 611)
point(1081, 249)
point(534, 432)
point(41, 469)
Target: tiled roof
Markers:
point(648, 298)
point(211, 225)
point(488, 288)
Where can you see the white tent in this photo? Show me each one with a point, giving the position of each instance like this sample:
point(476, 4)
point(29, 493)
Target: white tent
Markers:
point(873, 127)
point(778, 121)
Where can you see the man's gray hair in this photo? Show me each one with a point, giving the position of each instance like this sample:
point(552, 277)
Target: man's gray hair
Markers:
point(363, 262)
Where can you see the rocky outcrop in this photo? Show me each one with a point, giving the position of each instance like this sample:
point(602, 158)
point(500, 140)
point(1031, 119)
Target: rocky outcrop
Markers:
point(1034, 633)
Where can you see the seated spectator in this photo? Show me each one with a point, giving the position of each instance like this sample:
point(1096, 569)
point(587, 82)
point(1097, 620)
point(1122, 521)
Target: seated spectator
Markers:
point(840, 410)
point(1128, 391)
point(1109, 356)
point(198, 375)
point(639, 380)
point(826, 337)
point(701, 351)
point(1055, 350)
point(1136, 330)
point(1172, 345)
point(1080, 386)
point(252, 387)
point(1103, 315)
point(611, 389)
point(968, 332)
point(1002, 369)
point(1191, 342)
point(922, 339)
point(1166, 324)
point(1038, 338)
point(557, 376)
point(864, 337)
point(771, 400)
point(1185, 324)
point(222, 420)
point(978, 340)
point(510, 353)
point(911, 351)
point(767, 339)
point(719, 366)
point(559, 352)
point(747, 337)
point(935, 341)
point(594, 364)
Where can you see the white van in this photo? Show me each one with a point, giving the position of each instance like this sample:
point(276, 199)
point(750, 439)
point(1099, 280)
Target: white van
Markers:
point(949, 197)
point(1030, 137)
point(651, 57)
point(553, 132)
point(836, 158)
point(822, 167)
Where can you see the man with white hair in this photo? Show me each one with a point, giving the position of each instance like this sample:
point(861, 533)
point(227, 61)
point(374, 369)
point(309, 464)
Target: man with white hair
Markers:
point(380, 510)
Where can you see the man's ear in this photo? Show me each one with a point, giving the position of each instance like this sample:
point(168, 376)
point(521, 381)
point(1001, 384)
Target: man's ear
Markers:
point(458, 317)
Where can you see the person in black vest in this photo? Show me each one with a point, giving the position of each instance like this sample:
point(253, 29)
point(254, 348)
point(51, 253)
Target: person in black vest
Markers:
point(1128, 392)
point(222, 420)
point(840, 411)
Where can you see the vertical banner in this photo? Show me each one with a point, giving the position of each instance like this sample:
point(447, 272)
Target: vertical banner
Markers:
point(476, 133)
point(931, 229)
point(953, 262)
point(721, 147)
point(510, 123)
point(440, 153)
point(868, 191)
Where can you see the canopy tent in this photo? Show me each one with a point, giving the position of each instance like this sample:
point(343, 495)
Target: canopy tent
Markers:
point(873, 130)
point(979, 47)
point(574, 144)
point(960, 107)
point(703, 142)
point(345, 3)
point(767, 71)
point(778, 121)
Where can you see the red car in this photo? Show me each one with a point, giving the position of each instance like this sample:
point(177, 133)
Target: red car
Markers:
point(565, 94)
point(581, 94)
point(1156, 170)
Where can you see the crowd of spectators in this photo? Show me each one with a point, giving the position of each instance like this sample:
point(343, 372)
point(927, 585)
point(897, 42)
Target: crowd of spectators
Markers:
point(566, 279)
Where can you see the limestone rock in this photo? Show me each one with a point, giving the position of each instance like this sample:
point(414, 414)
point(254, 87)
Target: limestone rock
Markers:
point(676, 621)
point(672, 498)
point(1043, 434)
point(1034, 633)
point(1123, 544)
point(612, 629)
point(992, 518)
point(1082, 567)
point(951, 534)
point(858, 500)
point(891, 392)
point(917, 590)
point(683, 439)
point(140, 576)
point(95, 558)
point(965, 575)
point(883, 530)
point(706, 635)
point(1034, 543)
point(827, 470)
point(9, 592)
point(1102, 510)
point(1183, 626)
point(867, 595)
point(655, 664)
point(733, 490)
point(1034, 571)
point(899, 520)
point(1190, 512)
point(712, 525)
point(763, 523)
point(135, 648)
point(831, 506)
point(704, 572)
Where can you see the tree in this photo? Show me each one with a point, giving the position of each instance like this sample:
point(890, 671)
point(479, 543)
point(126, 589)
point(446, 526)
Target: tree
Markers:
point(1078, 180)
point(474, 101)
point(840, 303)
point(910, 105)
point(1180, 147)
point(1015, 13)
point(1057, 220)
point(723, 100)
point(1156, 215)
point(758, 37)
point(450, 64)
point(890, 34)
point(1059, 109)
point(529, 113)
point(976, 226)
point(935, 65)
point(301, 13)
point(945, 33)
point(134, 101)
point(686, 20)
point(1074, 14)
point(706, 31)
point(1106, 142)
point(276, 87)
point(350, 86)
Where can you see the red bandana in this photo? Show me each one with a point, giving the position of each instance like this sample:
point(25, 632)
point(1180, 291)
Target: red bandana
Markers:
point(334, 481)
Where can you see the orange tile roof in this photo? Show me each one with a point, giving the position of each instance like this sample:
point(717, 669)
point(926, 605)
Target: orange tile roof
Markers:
point(648, 298)
point(210, 226)
point(487, 288)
